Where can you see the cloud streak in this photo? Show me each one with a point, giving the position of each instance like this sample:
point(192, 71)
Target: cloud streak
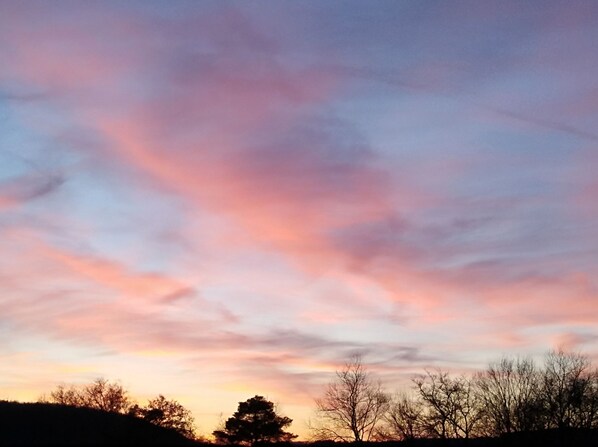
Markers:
point(20, 190)
point(463, 96)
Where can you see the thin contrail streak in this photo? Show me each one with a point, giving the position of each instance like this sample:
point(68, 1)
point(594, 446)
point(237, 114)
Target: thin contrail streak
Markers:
point(397, 81)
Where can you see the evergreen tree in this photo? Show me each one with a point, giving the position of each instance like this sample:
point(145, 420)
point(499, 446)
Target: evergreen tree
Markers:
point(255, 422)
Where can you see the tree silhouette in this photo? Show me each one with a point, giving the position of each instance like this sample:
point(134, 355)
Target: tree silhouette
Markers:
point(509, 394)
point(451, 406)
point(567, 389)
point(404, 419)
point(100, 394)
point(255, 422)
point(168, 414)
point(352, 405)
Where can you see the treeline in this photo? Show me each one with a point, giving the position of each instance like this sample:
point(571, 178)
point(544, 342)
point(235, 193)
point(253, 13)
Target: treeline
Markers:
point(113, 398)
point(513, 395)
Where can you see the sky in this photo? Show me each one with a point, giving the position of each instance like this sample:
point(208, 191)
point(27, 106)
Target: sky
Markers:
point(212, 200)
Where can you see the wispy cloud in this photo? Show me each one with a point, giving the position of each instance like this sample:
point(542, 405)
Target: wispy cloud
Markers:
point(28, 187)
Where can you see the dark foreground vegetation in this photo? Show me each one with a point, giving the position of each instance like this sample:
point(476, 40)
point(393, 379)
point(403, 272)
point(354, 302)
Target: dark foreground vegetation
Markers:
point(112, 397)
point(46, 424)
point(543, 438)
point(514, 402)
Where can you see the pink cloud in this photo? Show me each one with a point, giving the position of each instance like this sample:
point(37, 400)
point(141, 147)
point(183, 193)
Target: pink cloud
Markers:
point(575, 342)
point(92, 300)
point(115, 276)
point(220, 139)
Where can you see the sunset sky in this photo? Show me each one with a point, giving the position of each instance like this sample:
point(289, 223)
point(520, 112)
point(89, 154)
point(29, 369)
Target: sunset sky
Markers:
point(212, 200)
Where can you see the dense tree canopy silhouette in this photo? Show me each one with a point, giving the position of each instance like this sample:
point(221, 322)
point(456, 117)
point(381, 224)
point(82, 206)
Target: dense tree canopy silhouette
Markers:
point(255, 422)
point(168, 414)
point(352, 406)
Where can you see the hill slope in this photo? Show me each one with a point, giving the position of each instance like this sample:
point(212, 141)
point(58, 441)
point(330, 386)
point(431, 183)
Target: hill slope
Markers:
point(51, 424)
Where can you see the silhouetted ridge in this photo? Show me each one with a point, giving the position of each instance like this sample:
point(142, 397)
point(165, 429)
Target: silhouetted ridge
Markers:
point(55, 424)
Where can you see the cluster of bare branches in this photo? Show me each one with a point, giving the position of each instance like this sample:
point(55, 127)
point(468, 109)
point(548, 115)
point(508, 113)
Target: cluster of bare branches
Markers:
point(100, 394)
point(451, 405)
point(511, 395)
point(352, 406)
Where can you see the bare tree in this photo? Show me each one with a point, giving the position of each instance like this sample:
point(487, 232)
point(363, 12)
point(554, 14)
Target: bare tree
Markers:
point(404, 418)
point(509, 392)
point(589, 406)
point(65, 396)
point(450, 405)
point(565, 385)
point(100, 394)
point(352, 405)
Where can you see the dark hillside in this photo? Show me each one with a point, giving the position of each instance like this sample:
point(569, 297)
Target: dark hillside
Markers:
point(53, 424)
